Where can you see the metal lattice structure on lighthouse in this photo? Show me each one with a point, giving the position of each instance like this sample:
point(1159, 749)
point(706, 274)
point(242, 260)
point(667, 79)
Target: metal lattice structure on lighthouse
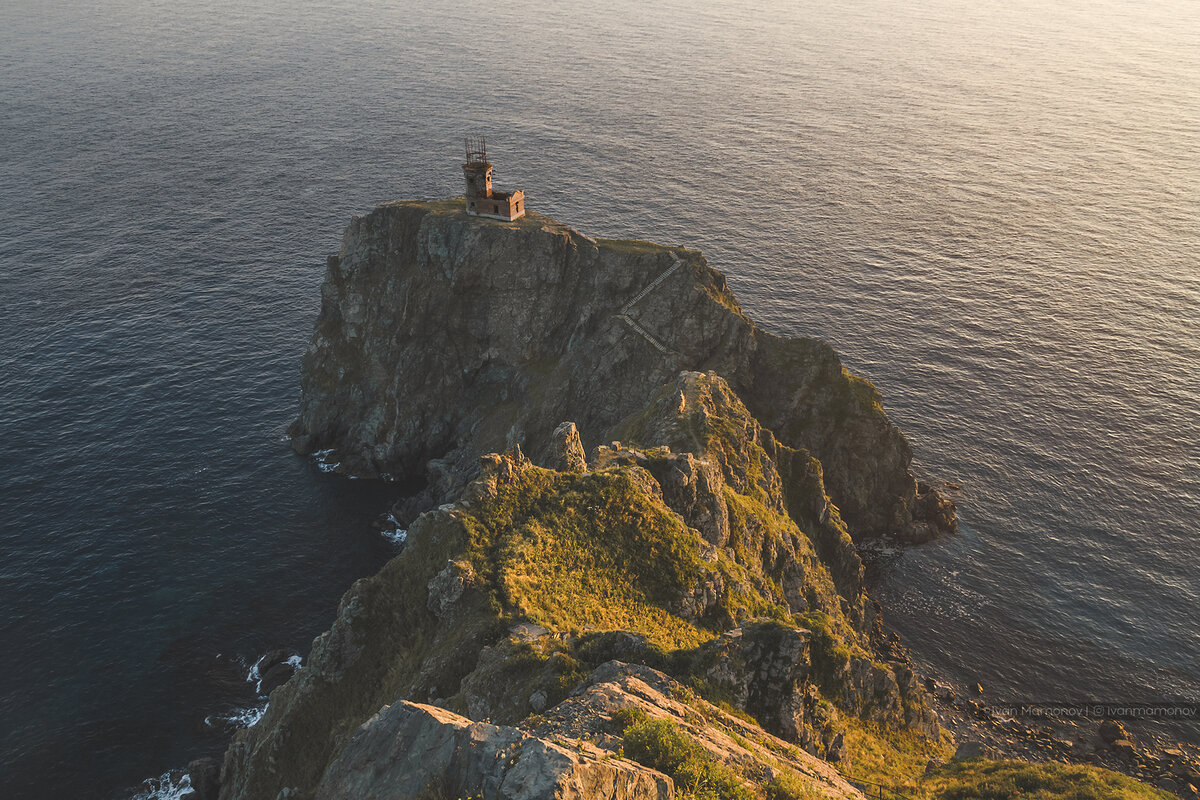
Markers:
point(476, 149)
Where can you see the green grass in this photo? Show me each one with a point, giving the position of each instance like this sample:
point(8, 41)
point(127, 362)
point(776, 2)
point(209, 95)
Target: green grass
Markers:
point(662, 745)
point(787, 786)
point(597, 551)
point(892, 758)
point(1002, 780)
point(633, 246)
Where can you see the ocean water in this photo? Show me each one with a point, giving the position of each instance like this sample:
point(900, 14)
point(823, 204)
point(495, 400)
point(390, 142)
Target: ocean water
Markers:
point(990, 208)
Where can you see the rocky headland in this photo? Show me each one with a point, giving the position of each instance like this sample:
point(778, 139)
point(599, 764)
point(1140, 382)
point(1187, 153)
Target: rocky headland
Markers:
point(630, 566)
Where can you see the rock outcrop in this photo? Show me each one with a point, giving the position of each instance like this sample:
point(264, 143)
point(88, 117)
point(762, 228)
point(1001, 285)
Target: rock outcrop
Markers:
point(574, 752)
point(700, 546)
point(682, 541)
point(614, 687)
point(409, 750)
point(443, 337)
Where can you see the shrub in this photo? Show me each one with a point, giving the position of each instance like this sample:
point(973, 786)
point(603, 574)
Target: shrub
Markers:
point(788, 786)
point(628, 717)
point(661, 745)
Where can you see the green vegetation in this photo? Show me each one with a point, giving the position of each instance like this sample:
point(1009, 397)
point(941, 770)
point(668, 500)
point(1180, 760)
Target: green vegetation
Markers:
point(662, 745)
point(1002, 780)
point(865, 394)
point(633, 246)
point(830, 654)
point(625, 718)
point(787, 786)
point(574, 552)
point(888, 757)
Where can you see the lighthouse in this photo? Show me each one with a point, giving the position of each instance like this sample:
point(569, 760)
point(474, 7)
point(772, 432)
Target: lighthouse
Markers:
point(482, 200)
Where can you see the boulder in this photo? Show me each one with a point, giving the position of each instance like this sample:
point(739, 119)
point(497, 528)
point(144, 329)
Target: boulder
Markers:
point(204, 775)
point(1124, 749)
point(967, 751)
point(1111, 731)
point(274, 677)
point(763, 667)
point(410, 750)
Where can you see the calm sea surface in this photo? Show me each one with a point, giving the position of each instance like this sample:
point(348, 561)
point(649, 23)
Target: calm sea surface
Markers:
point(990, 207)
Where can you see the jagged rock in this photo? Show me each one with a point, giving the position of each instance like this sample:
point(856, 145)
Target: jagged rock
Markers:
point(565, 451)
point(936, 511)
point(448, 586)
point(836, 750)
point(967, 751)
point(764, 668)
point(1124, 749)
point(408, 750)
point(437, 622)
point(276, 676)
point(204, 774)
point(587, 714)
point(1111, 730)
point(693, 487)
point(444, 336)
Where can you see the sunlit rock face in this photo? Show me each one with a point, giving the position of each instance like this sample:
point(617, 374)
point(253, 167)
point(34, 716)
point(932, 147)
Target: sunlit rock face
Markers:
point(443, 336)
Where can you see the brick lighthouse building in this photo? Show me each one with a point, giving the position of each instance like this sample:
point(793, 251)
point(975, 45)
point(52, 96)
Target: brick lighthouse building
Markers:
point(482, 199)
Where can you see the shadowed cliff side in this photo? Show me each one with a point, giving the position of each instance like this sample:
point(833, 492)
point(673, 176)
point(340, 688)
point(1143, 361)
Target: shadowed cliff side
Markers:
point(443, 336)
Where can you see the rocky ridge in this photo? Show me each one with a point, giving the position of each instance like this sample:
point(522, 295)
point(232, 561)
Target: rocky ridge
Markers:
point(667, 600)
point(443, 336)
point(701, 547)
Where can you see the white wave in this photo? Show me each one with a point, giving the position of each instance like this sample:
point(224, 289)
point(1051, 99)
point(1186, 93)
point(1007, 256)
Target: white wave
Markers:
point(255, 676)
point(168, 786)
point(394, 534)
point(322, 458)
point(240, 718)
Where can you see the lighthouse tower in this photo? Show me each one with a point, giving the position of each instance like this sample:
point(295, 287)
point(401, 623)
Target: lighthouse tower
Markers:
point(481, 199)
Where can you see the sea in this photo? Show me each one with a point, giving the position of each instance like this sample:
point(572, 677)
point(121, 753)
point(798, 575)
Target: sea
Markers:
point(991, 208)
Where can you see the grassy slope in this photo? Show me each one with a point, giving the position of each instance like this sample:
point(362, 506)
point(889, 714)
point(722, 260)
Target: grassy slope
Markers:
point(600, 551)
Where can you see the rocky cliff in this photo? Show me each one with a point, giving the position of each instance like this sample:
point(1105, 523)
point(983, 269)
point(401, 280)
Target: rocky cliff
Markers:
point(700, 547)
point(665, 600)
point(443, 336)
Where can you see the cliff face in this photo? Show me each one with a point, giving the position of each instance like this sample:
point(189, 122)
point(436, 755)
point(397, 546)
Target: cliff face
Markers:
point(674, 556)
point(443, 336)
point(700, 546)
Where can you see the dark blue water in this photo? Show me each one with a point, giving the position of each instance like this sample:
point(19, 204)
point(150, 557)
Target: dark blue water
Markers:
point(990, 208)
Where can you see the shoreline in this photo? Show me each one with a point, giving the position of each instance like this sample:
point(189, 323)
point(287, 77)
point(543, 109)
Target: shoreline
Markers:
point(1137, 748)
